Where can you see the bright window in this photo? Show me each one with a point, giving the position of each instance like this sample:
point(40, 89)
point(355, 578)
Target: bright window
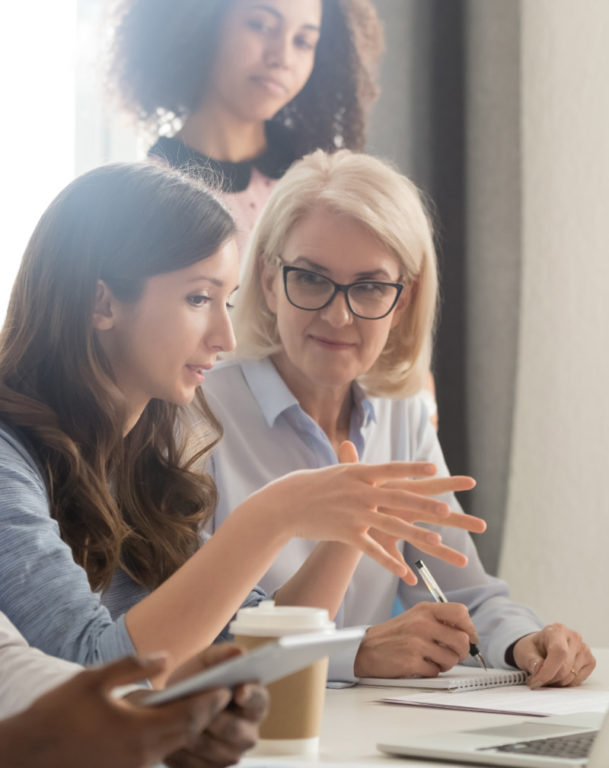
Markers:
point(54, 124)
point(37, 83)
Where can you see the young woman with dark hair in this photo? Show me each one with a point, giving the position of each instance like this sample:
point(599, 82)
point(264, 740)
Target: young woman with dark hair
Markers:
point(119, 309)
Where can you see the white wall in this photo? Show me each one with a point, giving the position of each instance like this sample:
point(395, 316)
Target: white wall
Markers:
point(556, 547)
point(493, 227)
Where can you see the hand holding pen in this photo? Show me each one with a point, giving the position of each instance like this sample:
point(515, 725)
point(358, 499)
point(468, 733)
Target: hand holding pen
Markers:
point(440, 597)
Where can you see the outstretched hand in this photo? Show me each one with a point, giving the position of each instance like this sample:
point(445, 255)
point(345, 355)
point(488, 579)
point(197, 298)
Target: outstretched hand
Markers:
point(348, 502)
point(423, 509)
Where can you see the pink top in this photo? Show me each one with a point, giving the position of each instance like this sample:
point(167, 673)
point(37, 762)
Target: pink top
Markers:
point(246, 206)
point(244, 186)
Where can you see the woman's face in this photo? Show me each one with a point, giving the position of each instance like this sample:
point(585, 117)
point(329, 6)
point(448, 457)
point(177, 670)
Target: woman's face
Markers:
point(330, 347)
point(265, 55)
point(160, 345)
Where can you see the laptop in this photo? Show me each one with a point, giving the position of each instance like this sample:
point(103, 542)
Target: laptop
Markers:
point(551, 742)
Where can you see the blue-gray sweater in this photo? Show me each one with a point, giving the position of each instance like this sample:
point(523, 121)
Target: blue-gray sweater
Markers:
point(42, 590)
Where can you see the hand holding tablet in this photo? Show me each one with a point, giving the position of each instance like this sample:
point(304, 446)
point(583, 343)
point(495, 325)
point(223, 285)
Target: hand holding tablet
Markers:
point(264, 664)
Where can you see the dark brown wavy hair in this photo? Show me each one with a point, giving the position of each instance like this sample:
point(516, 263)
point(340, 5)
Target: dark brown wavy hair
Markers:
point(162, 50)
point(135, 502)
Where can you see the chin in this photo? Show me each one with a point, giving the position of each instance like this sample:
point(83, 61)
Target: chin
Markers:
point(182, 398)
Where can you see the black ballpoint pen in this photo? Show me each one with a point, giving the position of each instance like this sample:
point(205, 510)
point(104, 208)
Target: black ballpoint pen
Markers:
point(440, 597)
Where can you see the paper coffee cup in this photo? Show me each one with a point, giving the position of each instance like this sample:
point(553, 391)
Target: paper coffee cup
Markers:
point(293, 724)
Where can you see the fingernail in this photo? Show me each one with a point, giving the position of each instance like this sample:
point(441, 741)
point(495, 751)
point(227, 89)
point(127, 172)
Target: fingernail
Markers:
point(430, 469)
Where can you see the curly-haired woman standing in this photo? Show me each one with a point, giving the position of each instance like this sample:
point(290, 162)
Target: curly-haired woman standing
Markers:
point(243, 88)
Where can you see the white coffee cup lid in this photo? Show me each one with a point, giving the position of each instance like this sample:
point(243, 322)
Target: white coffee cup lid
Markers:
point(268, 619)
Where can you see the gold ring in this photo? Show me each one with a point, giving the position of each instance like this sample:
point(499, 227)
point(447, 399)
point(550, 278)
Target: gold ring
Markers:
point(574, 672)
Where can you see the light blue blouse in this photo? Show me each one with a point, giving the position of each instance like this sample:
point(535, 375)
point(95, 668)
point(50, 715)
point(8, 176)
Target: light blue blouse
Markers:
point(267, 434)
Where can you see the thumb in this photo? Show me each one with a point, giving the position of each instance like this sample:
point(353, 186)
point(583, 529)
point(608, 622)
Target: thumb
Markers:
point(533, 663)
point(130, 669)
point(347, 453)
point(214, 654)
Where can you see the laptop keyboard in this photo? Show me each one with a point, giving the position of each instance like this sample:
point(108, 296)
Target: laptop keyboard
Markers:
point(573, 746)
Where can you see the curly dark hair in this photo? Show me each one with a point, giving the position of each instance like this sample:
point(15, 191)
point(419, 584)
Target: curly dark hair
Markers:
point(136, 502)
point(161, 47)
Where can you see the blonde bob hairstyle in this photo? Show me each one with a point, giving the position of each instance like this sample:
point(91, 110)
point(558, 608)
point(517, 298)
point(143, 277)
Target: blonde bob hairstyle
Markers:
point(373, 193)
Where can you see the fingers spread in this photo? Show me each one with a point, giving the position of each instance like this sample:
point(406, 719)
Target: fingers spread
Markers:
point(377, 474)
point(433, 486)
point(416, 508)
point(392, 560)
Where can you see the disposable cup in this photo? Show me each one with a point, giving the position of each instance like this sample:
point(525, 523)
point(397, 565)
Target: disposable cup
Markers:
point(294, 721)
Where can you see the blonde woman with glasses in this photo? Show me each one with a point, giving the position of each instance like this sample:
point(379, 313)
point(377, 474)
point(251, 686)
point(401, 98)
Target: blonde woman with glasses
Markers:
point(334, 324)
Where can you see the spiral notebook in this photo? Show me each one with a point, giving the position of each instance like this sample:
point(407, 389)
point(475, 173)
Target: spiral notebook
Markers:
point(459, 678)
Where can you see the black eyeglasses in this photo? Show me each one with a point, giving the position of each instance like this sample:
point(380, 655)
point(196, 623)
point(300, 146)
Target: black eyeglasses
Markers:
point(368, 299)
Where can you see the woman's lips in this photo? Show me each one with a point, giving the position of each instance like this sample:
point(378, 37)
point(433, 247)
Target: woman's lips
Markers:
point(198, 370)
point(274, 87)
point(332, 343)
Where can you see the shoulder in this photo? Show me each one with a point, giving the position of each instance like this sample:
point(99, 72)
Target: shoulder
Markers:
point(404, 424)
point(15, 456)
point(411, 411)
point(238, 392)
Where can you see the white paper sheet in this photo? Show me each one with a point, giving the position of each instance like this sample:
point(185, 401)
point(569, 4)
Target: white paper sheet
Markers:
point(517, 699)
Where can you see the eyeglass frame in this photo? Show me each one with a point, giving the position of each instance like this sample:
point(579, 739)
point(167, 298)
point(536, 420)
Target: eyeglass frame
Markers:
point(339, 288)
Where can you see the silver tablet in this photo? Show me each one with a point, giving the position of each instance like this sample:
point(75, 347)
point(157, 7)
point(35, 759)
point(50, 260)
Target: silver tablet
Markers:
point(264, 664)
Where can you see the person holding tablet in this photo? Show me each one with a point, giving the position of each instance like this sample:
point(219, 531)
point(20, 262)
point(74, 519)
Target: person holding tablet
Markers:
point(334, 325)
point(53, 714)
point(118, 312)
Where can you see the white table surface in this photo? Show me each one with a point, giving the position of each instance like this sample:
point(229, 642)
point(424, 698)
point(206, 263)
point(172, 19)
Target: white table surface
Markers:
point(354, 721)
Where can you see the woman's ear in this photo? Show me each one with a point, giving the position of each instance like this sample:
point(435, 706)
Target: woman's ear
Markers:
point(406, 297)
point(269, 280)
point(103, 310)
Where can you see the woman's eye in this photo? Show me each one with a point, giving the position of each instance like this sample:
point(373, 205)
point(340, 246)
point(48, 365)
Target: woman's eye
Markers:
point(198, 300)
point(370, 289)
point(259, 25)
point(304, 44)
point(309, 278)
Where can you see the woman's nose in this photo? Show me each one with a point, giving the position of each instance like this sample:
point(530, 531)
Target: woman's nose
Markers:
point(277, 52)
point(337, 313)
point(220, 336)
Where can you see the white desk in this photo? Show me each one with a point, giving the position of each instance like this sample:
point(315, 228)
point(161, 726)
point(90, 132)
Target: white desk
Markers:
point(354, 722)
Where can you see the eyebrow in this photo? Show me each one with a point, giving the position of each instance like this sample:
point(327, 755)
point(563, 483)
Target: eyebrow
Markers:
point(211, 280)
point(274, 12)
point(370, 274)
